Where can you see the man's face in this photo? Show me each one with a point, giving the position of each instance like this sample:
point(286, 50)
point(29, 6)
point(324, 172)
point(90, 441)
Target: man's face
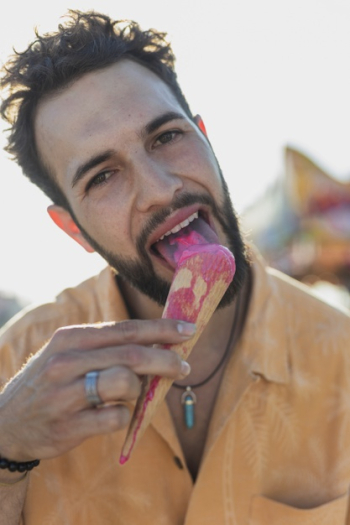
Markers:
point(133, 166)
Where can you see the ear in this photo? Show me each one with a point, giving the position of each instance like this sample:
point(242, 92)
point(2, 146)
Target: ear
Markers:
point(64, 220)
point(198, 120)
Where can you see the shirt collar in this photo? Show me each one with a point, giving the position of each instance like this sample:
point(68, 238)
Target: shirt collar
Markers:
point(265, 338)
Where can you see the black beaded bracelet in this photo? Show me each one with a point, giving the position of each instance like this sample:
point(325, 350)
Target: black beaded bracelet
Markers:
point(14, 466)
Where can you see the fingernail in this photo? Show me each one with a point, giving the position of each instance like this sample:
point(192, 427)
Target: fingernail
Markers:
point(185, 368)
point(186, 328)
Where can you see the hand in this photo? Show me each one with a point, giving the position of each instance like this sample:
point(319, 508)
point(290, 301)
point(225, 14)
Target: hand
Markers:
point(44, 411)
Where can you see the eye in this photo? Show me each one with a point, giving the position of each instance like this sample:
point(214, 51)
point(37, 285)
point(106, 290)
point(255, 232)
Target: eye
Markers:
point(99, 179)
point(168, 136)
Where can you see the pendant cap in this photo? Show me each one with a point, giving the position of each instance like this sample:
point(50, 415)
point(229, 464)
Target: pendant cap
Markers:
point(188, 397)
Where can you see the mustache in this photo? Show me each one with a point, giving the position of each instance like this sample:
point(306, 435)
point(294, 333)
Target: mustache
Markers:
point(183, 200)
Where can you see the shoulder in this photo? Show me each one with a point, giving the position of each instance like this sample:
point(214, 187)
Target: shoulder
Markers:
point(305, 311)
point(291, 330)
point(94, 300)
point(317, 334)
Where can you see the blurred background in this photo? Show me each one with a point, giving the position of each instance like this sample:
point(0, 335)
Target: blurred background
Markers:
point(272, 81)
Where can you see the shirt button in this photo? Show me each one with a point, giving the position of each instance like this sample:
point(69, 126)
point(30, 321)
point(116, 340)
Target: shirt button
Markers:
point(178, 462)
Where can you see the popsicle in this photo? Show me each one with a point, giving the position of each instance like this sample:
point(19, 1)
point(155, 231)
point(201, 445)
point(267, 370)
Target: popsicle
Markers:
point(203, 274)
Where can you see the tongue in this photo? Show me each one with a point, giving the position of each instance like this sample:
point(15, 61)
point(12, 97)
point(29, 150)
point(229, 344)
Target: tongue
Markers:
point(197, 232)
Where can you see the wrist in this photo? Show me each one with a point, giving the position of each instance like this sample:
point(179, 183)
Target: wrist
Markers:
point(11, 452)
point(15, 466)
point(8, 478)
point(9, 449)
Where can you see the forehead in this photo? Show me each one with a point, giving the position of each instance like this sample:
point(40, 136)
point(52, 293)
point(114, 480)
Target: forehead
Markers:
point(98, 108)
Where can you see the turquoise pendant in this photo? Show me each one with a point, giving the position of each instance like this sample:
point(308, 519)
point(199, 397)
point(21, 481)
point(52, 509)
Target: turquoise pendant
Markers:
point(188, 400)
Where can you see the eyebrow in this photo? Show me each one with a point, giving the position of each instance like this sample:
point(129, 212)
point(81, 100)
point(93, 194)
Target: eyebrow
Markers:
point(106, 155)
point(91, 163)
point(159, 121)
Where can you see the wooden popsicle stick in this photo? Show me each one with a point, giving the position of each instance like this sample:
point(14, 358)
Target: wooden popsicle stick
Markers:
point(200, 281)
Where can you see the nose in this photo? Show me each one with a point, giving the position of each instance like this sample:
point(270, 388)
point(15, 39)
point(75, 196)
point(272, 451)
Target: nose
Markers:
point(156, 184)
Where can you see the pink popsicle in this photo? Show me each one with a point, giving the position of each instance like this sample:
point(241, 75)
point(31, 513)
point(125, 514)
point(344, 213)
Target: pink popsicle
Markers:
point(203, 274)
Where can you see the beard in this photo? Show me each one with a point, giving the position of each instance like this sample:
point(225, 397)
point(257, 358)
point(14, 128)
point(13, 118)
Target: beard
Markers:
point(140, 274)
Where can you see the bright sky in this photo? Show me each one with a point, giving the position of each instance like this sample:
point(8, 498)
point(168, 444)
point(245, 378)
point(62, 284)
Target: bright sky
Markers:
point(261, 74)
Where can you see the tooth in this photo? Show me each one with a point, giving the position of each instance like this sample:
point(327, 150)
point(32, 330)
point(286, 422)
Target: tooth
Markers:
point(184, 223)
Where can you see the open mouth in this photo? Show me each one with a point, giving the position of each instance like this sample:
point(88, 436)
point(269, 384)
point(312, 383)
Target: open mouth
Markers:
point(195, 229)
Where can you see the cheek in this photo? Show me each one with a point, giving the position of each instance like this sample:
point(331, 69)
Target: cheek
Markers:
point(201, 166)
point(108, 224)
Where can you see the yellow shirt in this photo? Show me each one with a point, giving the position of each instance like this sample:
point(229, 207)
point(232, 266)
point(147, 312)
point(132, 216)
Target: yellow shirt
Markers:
point(278, 446)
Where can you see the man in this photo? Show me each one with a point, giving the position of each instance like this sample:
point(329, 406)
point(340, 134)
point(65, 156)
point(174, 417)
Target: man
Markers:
point(101, 125)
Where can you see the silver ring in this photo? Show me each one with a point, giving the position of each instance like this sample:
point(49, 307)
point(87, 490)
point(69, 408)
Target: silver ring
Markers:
point(91, 392)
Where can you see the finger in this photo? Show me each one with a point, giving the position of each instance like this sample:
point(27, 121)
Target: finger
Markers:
point(69, 432)
point(63, 368)
point(102, 420)
point(120, 383)
point(155, 331)
point(113, 385)
point(141, 360)
point(145, 361)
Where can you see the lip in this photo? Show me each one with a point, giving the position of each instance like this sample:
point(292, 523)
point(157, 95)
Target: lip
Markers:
point(172, 221)
point(175, 219)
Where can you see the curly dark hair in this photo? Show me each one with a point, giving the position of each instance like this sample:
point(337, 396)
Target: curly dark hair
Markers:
point(86, 42)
